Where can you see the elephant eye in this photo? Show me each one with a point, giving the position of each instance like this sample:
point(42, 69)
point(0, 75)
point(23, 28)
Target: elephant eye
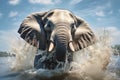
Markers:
point(72, 25)
point(48, 26)
point(71, 15)
point(73, 28)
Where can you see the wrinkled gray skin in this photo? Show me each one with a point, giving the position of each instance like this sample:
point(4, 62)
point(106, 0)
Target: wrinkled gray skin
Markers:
point(56, 30)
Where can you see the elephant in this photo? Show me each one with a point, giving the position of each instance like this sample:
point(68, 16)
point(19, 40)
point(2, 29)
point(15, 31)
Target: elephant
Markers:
point(56, 31)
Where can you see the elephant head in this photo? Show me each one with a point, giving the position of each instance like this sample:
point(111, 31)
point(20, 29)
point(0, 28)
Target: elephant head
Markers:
point(56, 30)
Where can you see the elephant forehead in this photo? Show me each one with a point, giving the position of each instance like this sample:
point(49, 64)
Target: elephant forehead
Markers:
point(61, 15)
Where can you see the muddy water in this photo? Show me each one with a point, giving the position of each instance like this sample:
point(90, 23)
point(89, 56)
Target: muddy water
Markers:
point(96, 62)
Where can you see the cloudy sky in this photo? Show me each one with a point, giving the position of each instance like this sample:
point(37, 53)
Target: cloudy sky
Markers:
point(98, 13)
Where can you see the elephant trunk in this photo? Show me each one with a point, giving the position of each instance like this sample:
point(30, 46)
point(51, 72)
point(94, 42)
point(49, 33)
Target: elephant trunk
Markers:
point(61, 42)
point(61, 39)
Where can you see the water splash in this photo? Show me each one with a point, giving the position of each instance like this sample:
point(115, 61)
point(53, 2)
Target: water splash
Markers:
point(24, 55)
point(92, 63)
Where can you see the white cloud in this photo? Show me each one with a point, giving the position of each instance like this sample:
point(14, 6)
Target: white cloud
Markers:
point(99, 19)
point(101, 10)
point(6, 36)
point(73, 2)
point(1, 15)
point(114, 33)
point(87, 12)
point(57, 1)
point(13, 13)
point(100, 13)
point(14, 2)
point(96, 11)
point(44, 1)
point(110, 12)
point(119, 10)
point(108, 4)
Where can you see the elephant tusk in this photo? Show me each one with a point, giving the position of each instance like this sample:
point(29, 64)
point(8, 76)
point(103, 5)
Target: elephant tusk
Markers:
point(71, 47)
point(51, 47)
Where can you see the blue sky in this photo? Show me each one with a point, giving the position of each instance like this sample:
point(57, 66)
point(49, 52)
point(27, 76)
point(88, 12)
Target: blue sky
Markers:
point(98, 13)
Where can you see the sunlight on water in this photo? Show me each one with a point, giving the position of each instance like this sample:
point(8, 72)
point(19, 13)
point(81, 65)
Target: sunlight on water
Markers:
point(95, 62)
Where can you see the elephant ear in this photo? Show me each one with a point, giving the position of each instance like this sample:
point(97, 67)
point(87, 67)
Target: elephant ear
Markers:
point(83, 35)
point(32, 31)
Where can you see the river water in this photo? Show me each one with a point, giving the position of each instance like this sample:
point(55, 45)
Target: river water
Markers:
point(92, 73)
point(95, 62)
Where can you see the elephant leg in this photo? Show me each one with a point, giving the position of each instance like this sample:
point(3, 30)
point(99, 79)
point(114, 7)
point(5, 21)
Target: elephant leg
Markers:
point(51, 62)
point(39, 60)
point(45, 61)
point(70, 57)
point(37, 65)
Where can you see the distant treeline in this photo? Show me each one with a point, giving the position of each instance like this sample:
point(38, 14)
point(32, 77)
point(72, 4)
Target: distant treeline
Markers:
point(4, 54)
point(116, 49)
